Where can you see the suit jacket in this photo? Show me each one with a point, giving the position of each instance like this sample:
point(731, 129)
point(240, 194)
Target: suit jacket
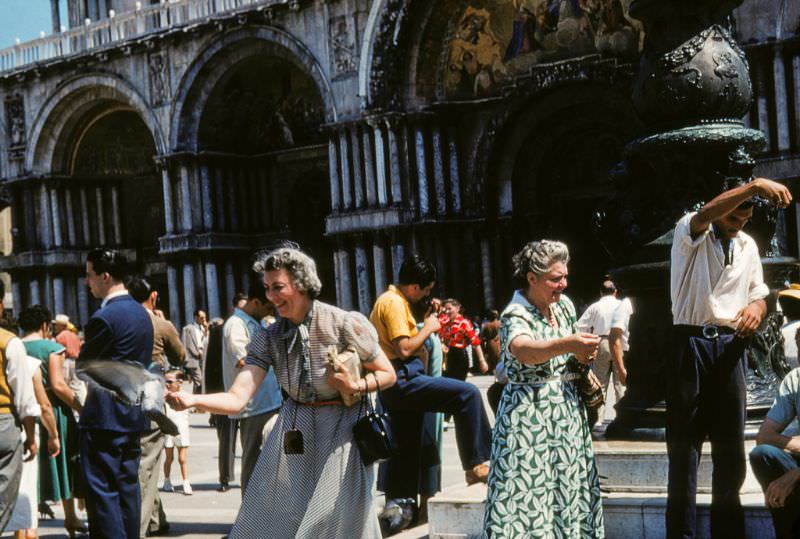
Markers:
point(195, 343)
point(120, 330)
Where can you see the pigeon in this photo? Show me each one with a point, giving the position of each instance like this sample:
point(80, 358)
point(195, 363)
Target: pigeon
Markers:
point(130, 383)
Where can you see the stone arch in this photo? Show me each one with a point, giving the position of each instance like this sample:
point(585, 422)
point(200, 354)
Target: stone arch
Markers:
point(218, 57)
point(63, 112)
point(546, 171)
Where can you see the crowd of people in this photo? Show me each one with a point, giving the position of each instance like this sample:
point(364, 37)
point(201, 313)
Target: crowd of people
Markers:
point(272, 373)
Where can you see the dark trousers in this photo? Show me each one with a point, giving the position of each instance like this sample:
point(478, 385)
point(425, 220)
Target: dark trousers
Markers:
point(406, 401)
point(251, 429)
point(706, 396)
point(226, 451)
point(769, 463)
point(457, 364)
point(110, 463)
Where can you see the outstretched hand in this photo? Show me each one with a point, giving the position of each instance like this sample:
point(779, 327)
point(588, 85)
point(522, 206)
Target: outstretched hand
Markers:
point(180, 400)
point(585, 346)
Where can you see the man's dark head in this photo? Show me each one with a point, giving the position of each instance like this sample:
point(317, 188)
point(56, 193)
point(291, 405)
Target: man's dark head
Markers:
point(139, 288)
point(239, 299)
point(2, 294)
point(608, 288)
point(105, 268)
point(731, 224)
point(417, 276)
point(790, 302)
point(257, 304)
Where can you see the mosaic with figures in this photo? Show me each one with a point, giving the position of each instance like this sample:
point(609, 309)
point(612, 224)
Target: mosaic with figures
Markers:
point(494, 40)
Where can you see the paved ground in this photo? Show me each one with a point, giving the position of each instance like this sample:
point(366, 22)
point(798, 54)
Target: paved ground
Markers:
point(209, 514)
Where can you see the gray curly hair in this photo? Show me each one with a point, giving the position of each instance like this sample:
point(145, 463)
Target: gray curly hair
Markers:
point(538, 257)
point(300, 266)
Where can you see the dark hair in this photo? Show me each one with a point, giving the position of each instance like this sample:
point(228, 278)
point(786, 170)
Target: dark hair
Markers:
point(608, 288)
point(2, 289)
point(257, 289)
point(492, 315)
point(108, 261)
point(139, 288)
point(31, 318)
point(177, 373)
point(239, 296)
point(198, 311)
point(417, 270)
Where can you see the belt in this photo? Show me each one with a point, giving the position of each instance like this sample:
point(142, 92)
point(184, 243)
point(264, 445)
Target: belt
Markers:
point(321, 403)
point(566, 377)
point(707, 331)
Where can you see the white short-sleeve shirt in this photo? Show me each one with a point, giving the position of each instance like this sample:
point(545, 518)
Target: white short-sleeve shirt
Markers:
point(703, 289)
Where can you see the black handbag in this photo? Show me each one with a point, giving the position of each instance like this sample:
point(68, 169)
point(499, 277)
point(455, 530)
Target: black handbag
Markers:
point(373, 432)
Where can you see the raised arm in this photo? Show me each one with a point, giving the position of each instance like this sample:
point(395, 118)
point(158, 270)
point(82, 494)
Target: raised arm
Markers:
point(728, 201)
point(230, 402)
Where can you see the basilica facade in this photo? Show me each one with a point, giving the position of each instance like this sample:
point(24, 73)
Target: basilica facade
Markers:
point(193, 133)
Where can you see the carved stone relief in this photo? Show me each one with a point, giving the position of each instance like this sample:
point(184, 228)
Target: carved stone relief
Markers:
point(15, 126)
point(344, 56)
point(158, 67)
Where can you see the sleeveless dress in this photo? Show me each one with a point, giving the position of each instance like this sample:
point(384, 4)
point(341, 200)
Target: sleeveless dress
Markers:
point(57, 476)
point(543, 481)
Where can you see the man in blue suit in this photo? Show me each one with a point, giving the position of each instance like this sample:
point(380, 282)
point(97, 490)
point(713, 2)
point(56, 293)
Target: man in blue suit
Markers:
point(109, 430)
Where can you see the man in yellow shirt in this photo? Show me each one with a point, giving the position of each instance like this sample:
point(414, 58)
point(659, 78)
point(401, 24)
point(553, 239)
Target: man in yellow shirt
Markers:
point(416, 393)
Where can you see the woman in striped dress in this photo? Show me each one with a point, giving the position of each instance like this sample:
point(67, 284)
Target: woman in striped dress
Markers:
point(320, 487)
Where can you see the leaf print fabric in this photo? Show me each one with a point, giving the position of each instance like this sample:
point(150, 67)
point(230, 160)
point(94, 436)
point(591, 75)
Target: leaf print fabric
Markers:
point(543, 481)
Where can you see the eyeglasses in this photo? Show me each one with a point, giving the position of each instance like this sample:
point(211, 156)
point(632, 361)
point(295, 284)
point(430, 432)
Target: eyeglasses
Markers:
point(171, 381)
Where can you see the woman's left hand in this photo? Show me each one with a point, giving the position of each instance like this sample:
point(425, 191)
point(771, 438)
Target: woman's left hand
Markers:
point(341, 382)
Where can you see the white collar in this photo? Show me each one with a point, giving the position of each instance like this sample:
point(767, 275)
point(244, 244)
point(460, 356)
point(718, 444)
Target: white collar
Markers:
point(112, 296)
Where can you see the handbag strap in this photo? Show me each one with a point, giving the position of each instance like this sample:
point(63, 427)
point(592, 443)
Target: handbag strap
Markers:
point(366, 402)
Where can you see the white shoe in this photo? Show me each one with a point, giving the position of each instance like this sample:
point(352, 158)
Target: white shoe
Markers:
point(167, 486)
point(187, 488)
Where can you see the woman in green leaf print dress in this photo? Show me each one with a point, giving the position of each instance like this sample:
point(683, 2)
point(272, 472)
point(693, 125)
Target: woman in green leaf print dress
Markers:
point(543, 480)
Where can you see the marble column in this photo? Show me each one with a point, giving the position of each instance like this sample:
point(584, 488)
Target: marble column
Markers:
point(762, 102)
point(781, 99)
point(333, 172)
point(486, 273)
point(796, 78)
point(36, 298)
point(344, 161)
point(398, 256)
point(83, 299)
point(207, 201)
point(166, 188)
point(423, 202)
point(116, 215)
point(233, 199)
point(439, 171)
point(395, 173)
point(86, 232)
point(358, 177)
point(246, 279)
point(369, 166)
point(174, 296)
point(230, 282)
point(72, 237)
point(45, 218)
point(455, 177)
point(101, 215)
point(16, 294)
point(29, 215)
point(55, 16)
point(344, 280)
point(220, 209)
point(189, 300)
point(212, 291)
point(380, 166)
point(58, 295)
point(363, 278)
point(55, 215)
point(379, 262)
point(185, 200)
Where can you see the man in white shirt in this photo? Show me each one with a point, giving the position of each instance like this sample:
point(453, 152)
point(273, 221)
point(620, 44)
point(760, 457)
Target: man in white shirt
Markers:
point(618, 341)
point(717, 291)
point(237, 333)
point(17, 402)
point(597, 319)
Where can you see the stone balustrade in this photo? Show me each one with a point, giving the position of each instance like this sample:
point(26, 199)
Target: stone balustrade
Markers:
point(122, 27)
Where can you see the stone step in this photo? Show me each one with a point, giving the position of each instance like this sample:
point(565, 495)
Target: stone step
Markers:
point(458, 514)
point(643, 466)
